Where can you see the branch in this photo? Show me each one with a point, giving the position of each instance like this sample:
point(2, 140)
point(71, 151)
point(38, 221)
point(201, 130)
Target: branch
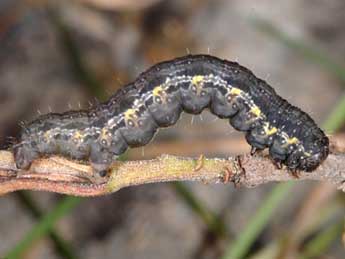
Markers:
point(60, 175)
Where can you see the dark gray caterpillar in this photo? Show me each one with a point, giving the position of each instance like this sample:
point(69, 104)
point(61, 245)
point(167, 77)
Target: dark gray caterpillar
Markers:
point(156, 99)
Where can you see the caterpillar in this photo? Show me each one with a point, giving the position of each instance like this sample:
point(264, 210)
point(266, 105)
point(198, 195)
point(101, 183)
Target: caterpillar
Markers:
point(156, 99)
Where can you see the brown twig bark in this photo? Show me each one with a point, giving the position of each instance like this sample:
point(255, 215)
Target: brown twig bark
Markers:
point(60, 175)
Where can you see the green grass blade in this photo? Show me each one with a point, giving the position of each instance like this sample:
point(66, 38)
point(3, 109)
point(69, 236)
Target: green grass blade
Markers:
point(318, 246)
point(61, 246)
point(43, 227)
point(260, 219)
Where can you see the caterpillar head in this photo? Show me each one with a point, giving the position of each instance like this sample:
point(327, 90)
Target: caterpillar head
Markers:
point(319, 154)
point(297, 160)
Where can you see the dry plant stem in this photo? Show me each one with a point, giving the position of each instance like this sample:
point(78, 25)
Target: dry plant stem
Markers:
point(60, 175)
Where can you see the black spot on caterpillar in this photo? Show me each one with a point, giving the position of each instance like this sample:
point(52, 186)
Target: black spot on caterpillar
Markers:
point(156, 99)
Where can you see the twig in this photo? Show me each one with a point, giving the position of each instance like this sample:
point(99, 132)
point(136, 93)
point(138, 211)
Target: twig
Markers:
point(60, 175)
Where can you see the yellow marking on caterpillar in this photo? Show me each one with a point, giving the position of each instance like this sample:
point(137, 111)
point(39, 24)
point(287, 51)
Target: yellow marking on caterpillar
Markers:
point(292, 140)
point(256, 111)
point(47, 134)
point(197, 79)
point(307, 154)
point(157, 90)
point(104, 133)
point(236, 91)
point(130, 113)
point(289, 141)
point(269, 131)
point(78, 135)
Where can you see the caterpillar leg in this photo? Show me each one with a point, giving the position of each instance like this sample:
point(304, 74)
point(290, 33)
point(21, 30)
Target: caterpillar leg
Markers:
point(295, 173)
point(100, 159)
point(277, 163)
point(254, 150)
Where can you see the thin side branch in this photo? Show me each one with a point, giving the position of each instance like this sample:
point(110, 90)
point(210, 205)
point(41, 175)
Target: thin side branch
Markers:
point(60, 175)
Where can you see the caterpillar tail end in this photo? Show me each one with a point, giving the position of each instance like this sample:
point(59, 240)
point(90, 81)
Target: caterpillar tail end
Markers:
point(23, 156)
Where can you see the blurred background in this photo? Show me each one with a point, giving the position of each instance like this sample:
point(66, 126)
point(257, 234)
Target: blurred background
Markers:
point(61, 55)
